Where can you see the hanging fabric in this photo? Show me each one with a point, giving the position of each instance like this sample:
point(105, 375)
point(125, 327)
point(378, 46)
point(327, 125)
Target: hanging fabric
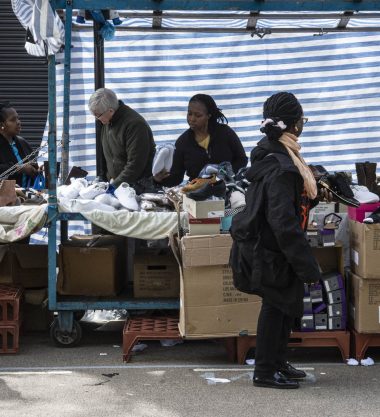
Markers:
point(45, 30)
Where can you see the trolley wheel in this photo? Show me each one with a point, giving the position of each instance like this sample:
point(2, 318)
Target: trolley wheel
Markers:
point(63, 338)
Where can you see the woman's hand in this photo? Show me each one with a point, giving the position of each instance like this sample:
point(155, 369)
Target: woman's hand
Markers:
point(325, 195)
point(160, 176)
point(29, 169)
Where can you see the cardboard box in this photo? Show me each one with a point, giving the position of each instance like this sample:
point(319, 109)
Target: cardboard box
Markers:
point(365, 249)
point(156, 276)
point(25, 265)
point(199, 227)
point(92, 269)
point(210, 306)
point(361, 212)
point(36, 317)
point(330, 259)
point(365, 304)
point(205, 250)
point(203, 209)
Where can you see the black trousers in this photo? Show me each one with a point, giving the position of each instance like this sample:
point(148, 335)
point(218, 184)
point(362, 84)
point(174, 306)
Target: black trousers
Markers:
point(273, 331)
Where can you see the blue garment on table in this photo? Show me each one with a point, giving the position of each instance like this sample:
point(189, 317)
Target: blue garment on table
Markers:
point(19, 160)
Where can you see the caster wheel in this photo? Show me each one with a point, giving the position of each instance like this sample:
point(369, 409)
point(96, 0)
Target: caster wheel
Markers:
point(64, 338)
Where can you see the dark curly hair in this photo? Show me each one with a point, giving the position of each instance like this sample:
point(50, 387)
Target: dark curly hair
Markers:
point(281, 107)
point(3, 107)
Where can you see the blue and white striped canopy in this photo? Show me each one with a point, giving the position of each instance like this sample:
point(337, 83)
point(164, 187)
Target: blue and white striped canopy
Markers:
point(336, 77)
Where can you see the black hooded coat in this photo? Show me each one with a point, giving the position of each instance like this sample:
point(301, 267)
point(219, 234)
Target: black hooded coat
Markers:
point(279, 255)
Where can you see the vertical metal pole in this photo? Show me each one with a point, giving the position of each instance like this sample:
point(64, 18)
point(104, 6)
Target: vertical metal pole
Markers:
point(66, 91)
point(52, 200)
point(66, 104)
point(99, 83)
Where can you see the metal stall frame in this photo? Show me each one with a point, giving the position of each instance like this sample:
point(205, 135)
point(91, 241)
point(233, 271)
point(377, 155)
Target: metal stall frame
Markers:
point(65, 331)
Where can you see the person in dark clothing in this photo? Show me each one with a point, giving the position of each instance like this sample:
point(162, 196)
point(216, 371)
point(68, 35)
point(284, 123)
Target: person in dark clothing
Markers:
point(14, 150)
point(286, 261)
point(127, 140)
point(209, 140)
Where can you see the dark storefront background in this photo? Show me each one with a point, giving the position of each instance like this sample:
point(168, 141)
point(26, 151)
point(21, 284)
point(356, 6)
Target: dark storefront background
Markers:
point(23, 78)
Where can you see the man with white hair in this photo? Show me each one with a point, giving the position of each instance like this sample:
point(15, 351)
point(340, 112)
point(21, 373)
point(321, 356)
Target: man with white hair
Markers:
point(127, 140)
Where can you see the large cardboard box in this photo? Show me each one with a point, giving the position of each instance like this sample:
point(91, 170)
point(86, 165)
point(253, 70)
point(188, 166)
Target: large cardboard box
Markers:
point(25, 265)
point(203, 209)
point(95, 268)
point(365, 249)
point(210, 306)
point(205, 250)
point(364, 304)
point(156, 276)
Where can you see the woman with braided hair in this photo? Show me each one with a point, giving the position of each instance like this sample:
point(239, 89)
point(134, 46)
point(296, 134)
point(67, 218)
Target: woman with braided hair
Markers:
point(285, 261)
point(209, 140)
point(13, 148)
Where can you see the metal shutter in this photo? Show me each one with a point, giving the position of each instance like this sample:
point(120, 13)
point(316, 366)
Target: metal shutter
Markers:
point(23, 78)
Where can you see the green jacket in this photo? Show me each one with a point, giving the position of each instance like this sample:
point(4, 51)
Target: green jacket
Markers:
point(128, 147)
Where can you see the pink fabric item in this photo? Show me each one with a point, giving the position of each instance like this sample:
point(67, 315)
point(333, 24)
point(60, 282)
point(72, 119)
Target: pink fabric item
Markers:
point(360, 213)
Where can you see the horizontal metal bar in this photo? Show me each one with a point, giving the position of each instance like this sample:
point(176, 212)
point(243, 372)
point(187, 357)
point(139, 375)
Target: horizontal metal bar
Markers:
point(244, 30)
point(136, 304)
point(228, 5)
point(259, 16)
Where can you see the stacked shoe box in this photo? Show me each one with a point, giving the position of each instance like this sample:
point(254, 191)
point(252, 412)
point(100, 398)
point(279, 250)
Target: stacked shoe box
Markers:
point(325, 301)
point(204, 216)
point(10, 318)
point(325, 304)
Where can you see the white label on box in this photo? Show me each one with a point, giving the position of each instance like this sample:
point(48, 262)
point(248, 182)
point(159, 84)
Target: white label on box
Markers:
point(328, 243)
point(213, 214)
point(355, 256)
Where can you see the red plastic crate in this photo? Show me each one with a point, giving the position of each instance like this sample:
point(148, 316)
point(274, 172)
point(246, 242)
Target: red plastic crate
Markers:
point(9, 336)
point(10, 299)
point(148, 328)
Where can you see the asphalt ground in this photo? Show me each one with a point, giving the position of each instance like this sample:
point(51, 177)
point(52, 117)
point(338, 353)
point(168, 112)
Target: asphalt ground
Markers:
point(190, 379)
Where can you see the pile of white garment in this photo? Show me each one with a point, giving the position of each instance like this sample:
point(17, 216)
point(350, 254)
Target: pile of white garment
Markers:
point(81, 196)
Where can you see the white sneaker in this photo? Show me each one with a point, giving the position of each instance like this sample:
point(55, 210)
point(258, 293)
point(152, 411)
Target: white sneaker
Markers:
point(363, 195)
point(90, 192)
point(72, 190)
point(127, 196)
point(108, 199)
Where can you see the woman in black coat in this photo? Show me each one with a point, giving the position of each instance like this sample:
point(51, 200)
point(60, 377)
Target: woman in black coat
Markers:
point(14, 148)
point(209, 140)
point(285, 261)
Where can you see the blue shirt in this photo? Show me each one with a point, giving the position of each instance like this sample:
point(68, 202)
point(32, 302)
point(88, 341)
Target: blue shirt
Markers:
point(19, 160)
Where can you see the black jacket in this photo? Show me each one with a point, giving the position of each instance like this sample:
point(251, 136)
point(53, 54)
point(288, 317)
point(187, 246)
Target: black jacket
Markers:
point(8, 158)
point(189, 157)
point(284, 257)
point(128, 147)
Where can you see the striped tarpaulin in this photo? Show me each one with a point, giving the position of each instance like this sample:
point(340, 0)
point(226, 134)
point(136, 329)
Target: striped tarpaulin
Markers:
point(336, 77)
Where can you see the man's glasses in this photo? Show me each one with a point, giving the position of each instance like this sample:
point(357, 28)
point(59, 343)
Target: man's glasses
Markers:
point(304, 120)
point(100, 115)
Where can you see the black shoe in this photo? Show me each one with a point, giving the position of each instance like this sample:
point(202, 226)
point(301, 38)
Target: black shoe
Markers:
point(276, 381)
point(217, 189)
point(334, 184)
point(290, 372)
